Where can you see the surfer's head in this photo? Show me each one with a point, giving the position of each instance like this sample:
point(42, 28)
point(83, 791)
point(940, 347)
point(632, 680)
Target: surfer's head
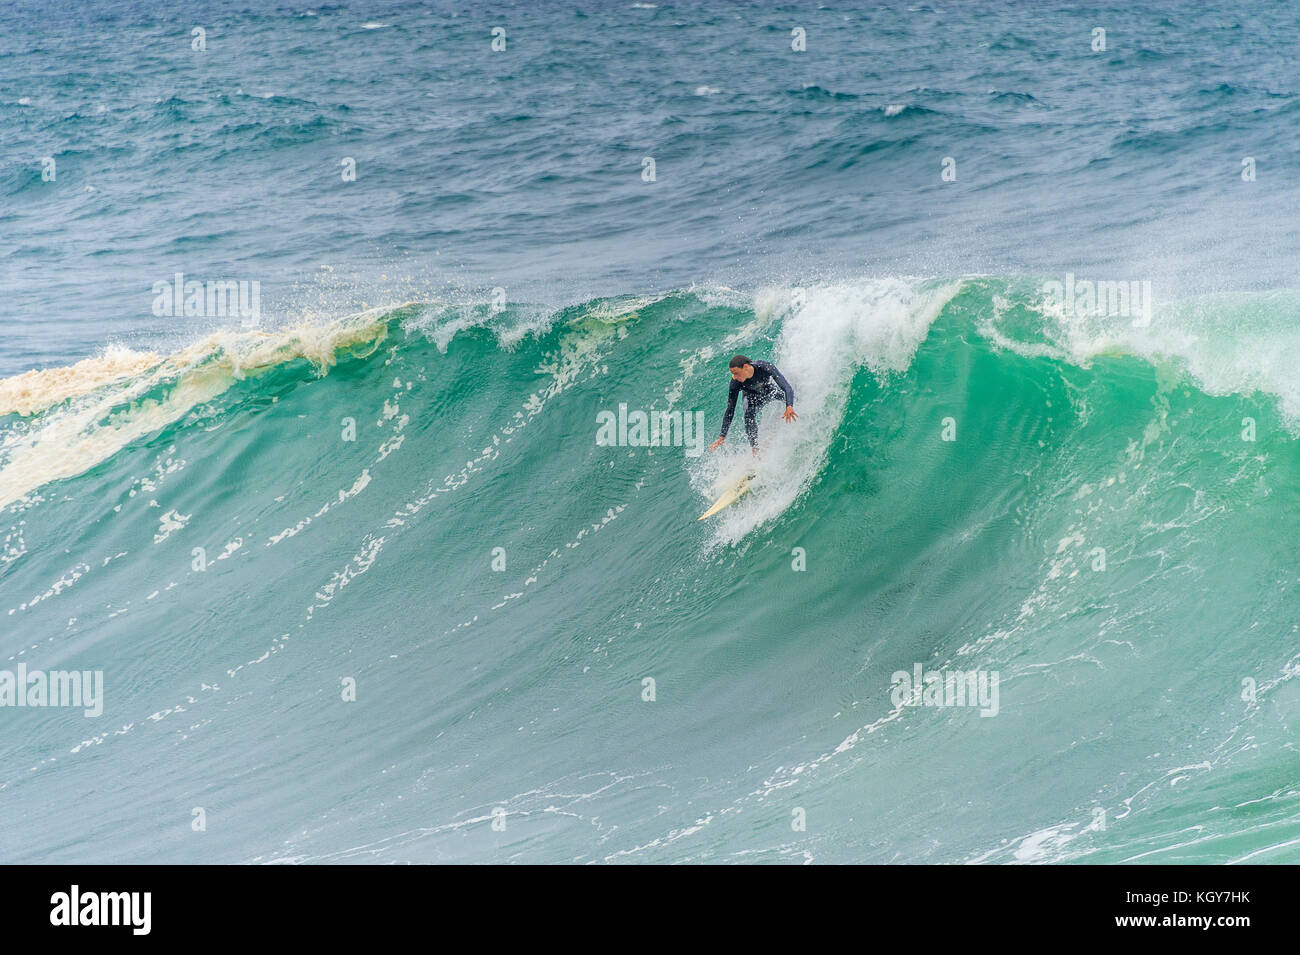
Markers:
point(742, 369)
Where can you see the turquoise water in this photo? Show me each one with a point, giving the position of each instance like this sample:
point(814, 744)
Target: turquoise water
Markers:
point(365, 585)
point(521, 689)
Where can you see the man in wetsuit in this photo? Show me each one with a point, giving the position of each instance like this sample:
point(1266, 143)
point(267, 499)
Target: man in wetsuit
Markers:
point(761, 382)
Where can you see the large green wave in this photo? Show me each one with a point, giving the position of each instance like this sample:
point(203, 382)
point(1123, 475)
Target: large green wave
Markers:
point(416, 499)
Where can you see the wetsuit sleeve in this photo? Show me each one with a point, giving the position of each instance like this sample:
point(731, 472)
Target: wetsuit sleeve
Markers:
point(731, 406)
point(785, 385)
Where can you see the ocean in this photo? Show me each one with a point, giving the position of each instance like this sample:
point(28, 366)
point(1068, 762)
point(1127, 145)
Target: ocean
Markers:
point(357, 362)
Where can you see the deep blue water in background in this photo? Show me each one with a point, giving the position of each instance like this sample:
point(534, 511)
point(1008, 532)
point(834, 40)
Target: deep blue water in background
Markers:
point(522, 169)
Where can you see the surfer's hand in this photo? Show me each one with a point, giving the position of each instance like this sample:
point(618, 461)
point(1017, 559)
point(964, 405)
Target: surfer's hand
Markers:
point(789, 413)
point(716, 444)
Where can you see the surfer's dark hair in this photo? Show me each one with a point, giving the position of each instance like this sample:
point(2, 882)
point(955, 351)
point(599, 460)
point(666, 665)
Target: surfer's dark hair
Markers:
point(740, 361)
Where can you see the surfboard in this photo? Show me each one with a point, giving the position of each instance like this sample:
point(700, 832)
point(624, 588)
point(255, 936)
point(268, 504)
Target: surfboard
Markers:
point(729, 497)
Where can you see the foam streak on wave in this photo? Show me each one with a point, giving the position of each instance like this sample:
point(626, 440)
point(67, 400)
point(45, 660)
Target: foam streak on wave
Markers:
point(83, 415)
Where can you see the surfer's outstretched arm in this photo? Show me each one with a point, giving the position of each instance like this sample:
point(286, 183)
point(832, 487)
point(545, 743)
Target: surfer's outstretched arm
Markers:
point(732, 392)
point(785, 385)
point(787, 390)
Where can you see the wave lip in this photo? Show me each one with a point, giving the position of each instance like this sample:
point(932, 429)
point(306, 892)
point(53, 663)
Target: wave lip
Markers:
point(76, 417)
point(38, 389)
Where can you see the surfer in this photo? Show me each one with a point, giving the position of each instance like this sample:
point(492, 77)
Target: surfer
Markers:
point(761, 382)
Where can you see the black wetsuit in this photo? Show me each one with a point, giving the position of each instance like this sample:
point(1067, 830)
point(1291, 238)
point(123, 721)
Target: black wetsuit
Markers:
point(763, 385)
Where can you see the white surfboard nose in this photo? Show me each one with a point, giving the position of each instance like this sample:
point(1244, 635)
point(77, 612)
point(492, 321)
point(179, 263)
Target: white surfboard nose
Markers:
point(729, 497)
